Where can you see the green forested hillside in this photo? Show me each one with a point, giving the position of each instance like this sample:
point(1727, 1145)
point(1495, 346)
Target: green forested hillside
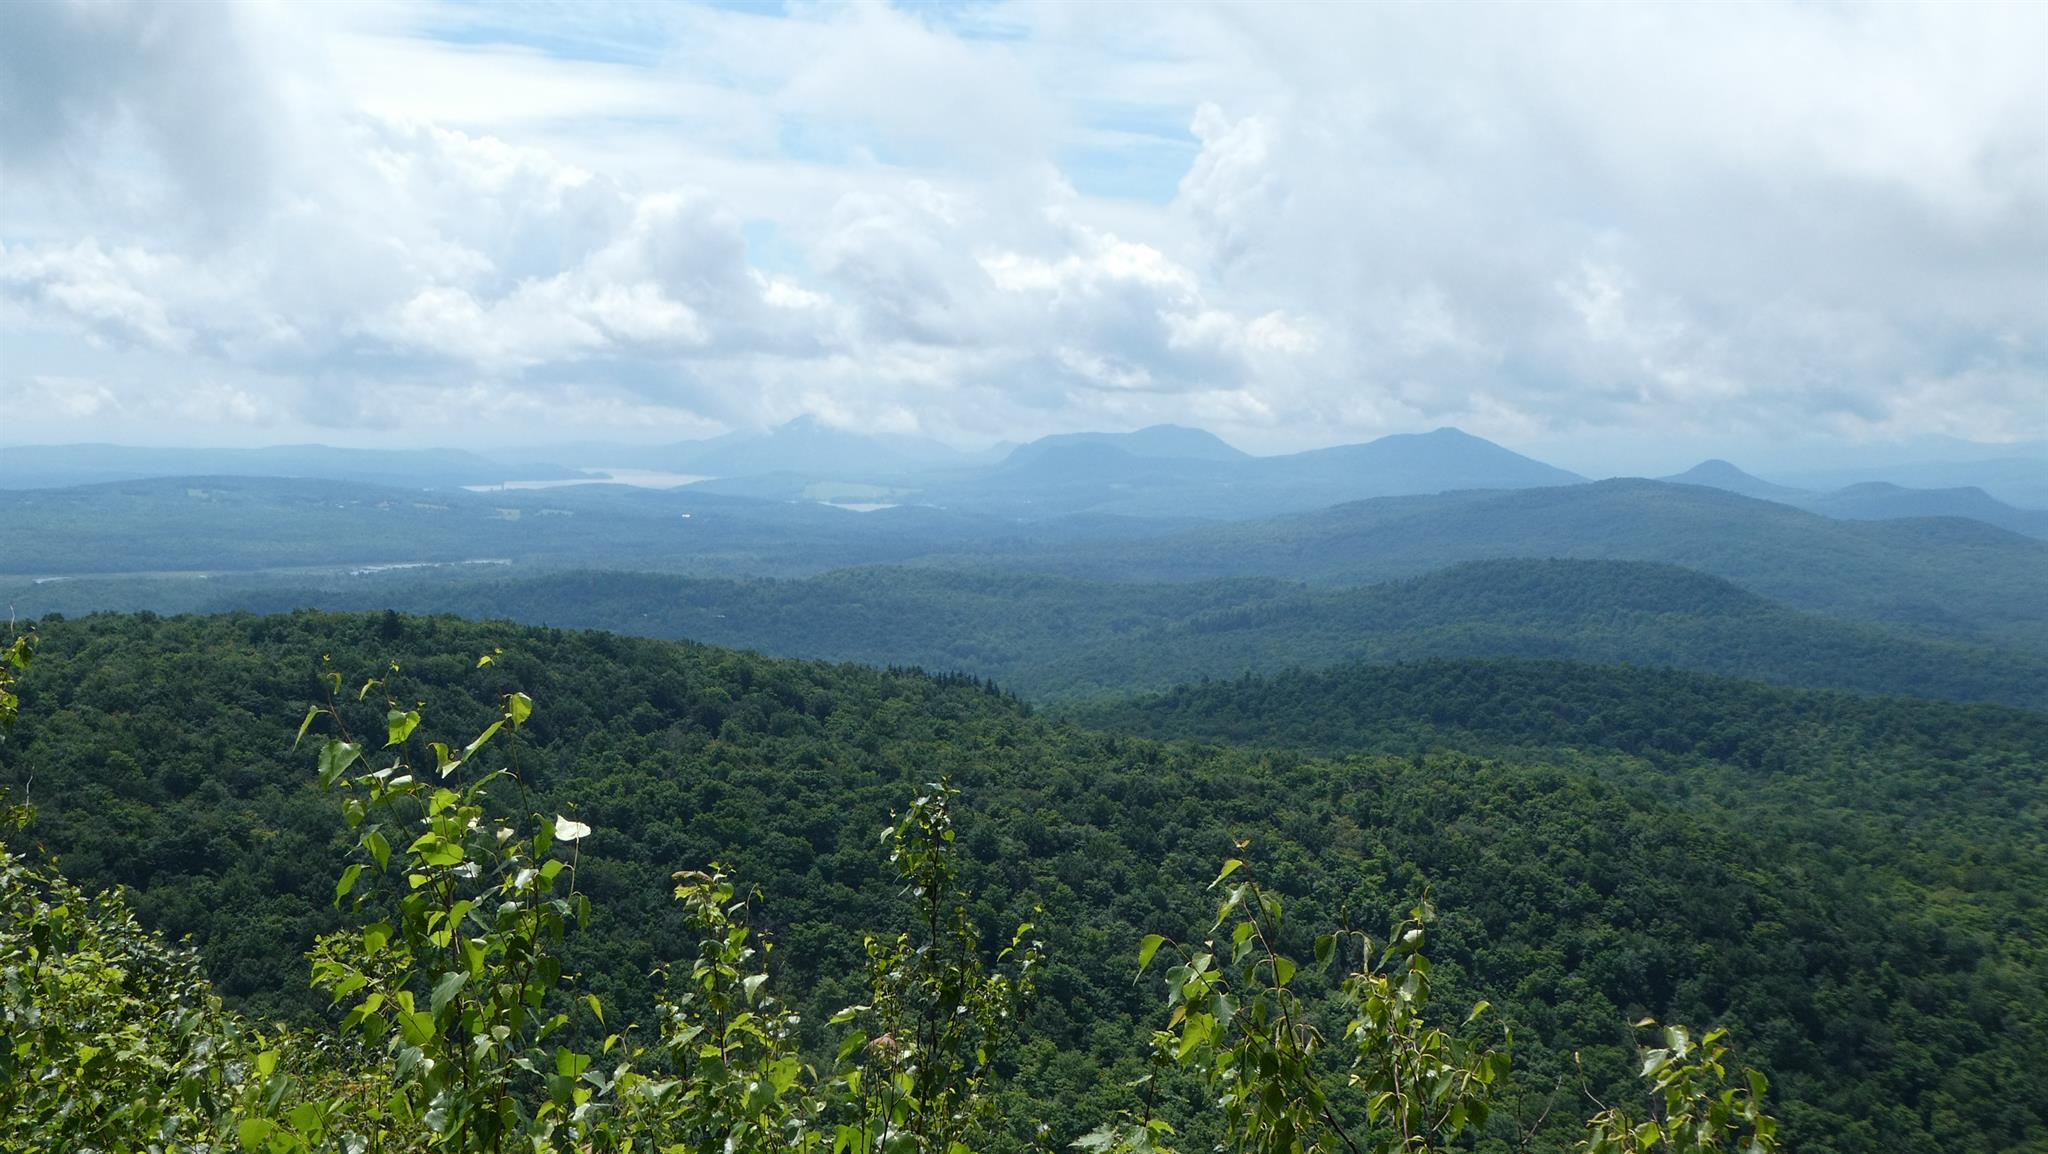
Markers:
point(1942, 576)
point(1054, 638)
point(1941, 808)
point(1892, 988)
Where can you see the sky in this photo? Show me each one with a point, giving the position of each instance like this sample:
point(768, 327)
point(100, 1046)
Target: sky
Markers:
point(1592, 231)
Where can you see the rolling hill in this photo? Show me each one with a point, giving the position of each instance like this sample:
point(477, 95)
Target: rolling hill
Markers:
point(1811, 870)
point(1946, 577)
point(1872, 500)
point(1053, 638)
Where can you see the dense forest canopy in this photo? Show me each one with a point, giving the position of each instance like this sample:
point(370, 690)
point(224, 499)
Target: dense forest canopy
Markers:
point(1712, 861)
point(1056, 638)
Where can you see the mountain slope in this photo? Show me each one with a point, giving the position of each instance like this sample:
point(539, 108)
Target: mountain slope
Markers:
point(1944, 577)
point(2020, 479)
point(1601, 612)
point(1180, 472)
point(1059, 638)
point(1719, 474)
point(1954, 579)
point(1872, 500)
point(1433, 462)
point(1878, 500)
point(1756, 879)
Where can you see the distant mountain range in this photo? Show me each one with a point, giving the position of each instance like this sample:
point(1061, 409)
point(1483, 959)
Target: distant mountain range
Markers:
point(1168, 470)
point(1949, 578)
point(1164, 472)
point(1943, 576)
point(1872, 500)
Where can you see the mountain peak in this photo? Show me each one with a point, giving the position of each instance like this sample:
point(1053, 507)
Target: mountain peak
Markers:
point(1715, 473)
point(808, 424)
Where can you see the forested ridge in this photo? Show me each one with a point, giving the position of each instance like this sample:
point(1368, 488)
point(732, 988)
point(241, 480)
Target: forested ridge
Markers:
point(1600, 844)
point(1947, 578)
point(1941, 576)
point(1055, 638)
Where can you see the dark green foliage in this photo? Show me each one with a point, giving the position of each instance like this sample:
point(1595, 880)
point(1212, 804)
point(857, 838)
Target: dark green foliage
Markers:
point(1933, 813)
point(1891, 996)
point(1054, 638)
point(106, 1033)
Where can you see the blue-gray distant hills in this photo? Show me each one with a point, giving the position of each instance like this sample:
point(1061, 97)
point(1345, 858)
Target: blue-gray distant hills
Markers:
point(1170, 471)
point(1872, 500)
point(1164, 472)
point(1940, 577)
point(1949, 577)
point(1719, 474)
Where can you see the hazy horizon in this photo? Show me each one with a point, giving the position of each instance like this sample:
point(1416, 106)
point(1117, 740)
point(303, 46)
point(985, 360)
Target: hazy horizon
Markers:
point(1595, 459)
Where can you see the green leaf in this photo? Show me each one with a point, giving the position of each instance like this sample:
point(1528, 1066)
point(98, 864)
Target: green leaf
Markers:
point(335, 758)
point(1229, 867)
point(418, 1028)
point(312, 711)
point(518, 707)
point(305, 1116)
point(473, 746)
point(253, 1132)
point(445, 991)
point(347, 882)
point(1148, 949)
point(435, 850)
point(1326, 950)
point(1283, 971)
point(752, 985)
point(400, 724)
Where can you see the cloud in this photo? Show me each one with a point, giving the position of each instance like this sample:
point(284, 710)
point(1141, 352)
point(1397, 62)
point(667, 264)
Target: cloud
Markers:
point(1736, 221)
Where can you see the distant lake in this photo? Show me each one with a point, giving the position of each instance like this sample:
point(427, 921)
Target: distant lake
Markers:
point(638, 478)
